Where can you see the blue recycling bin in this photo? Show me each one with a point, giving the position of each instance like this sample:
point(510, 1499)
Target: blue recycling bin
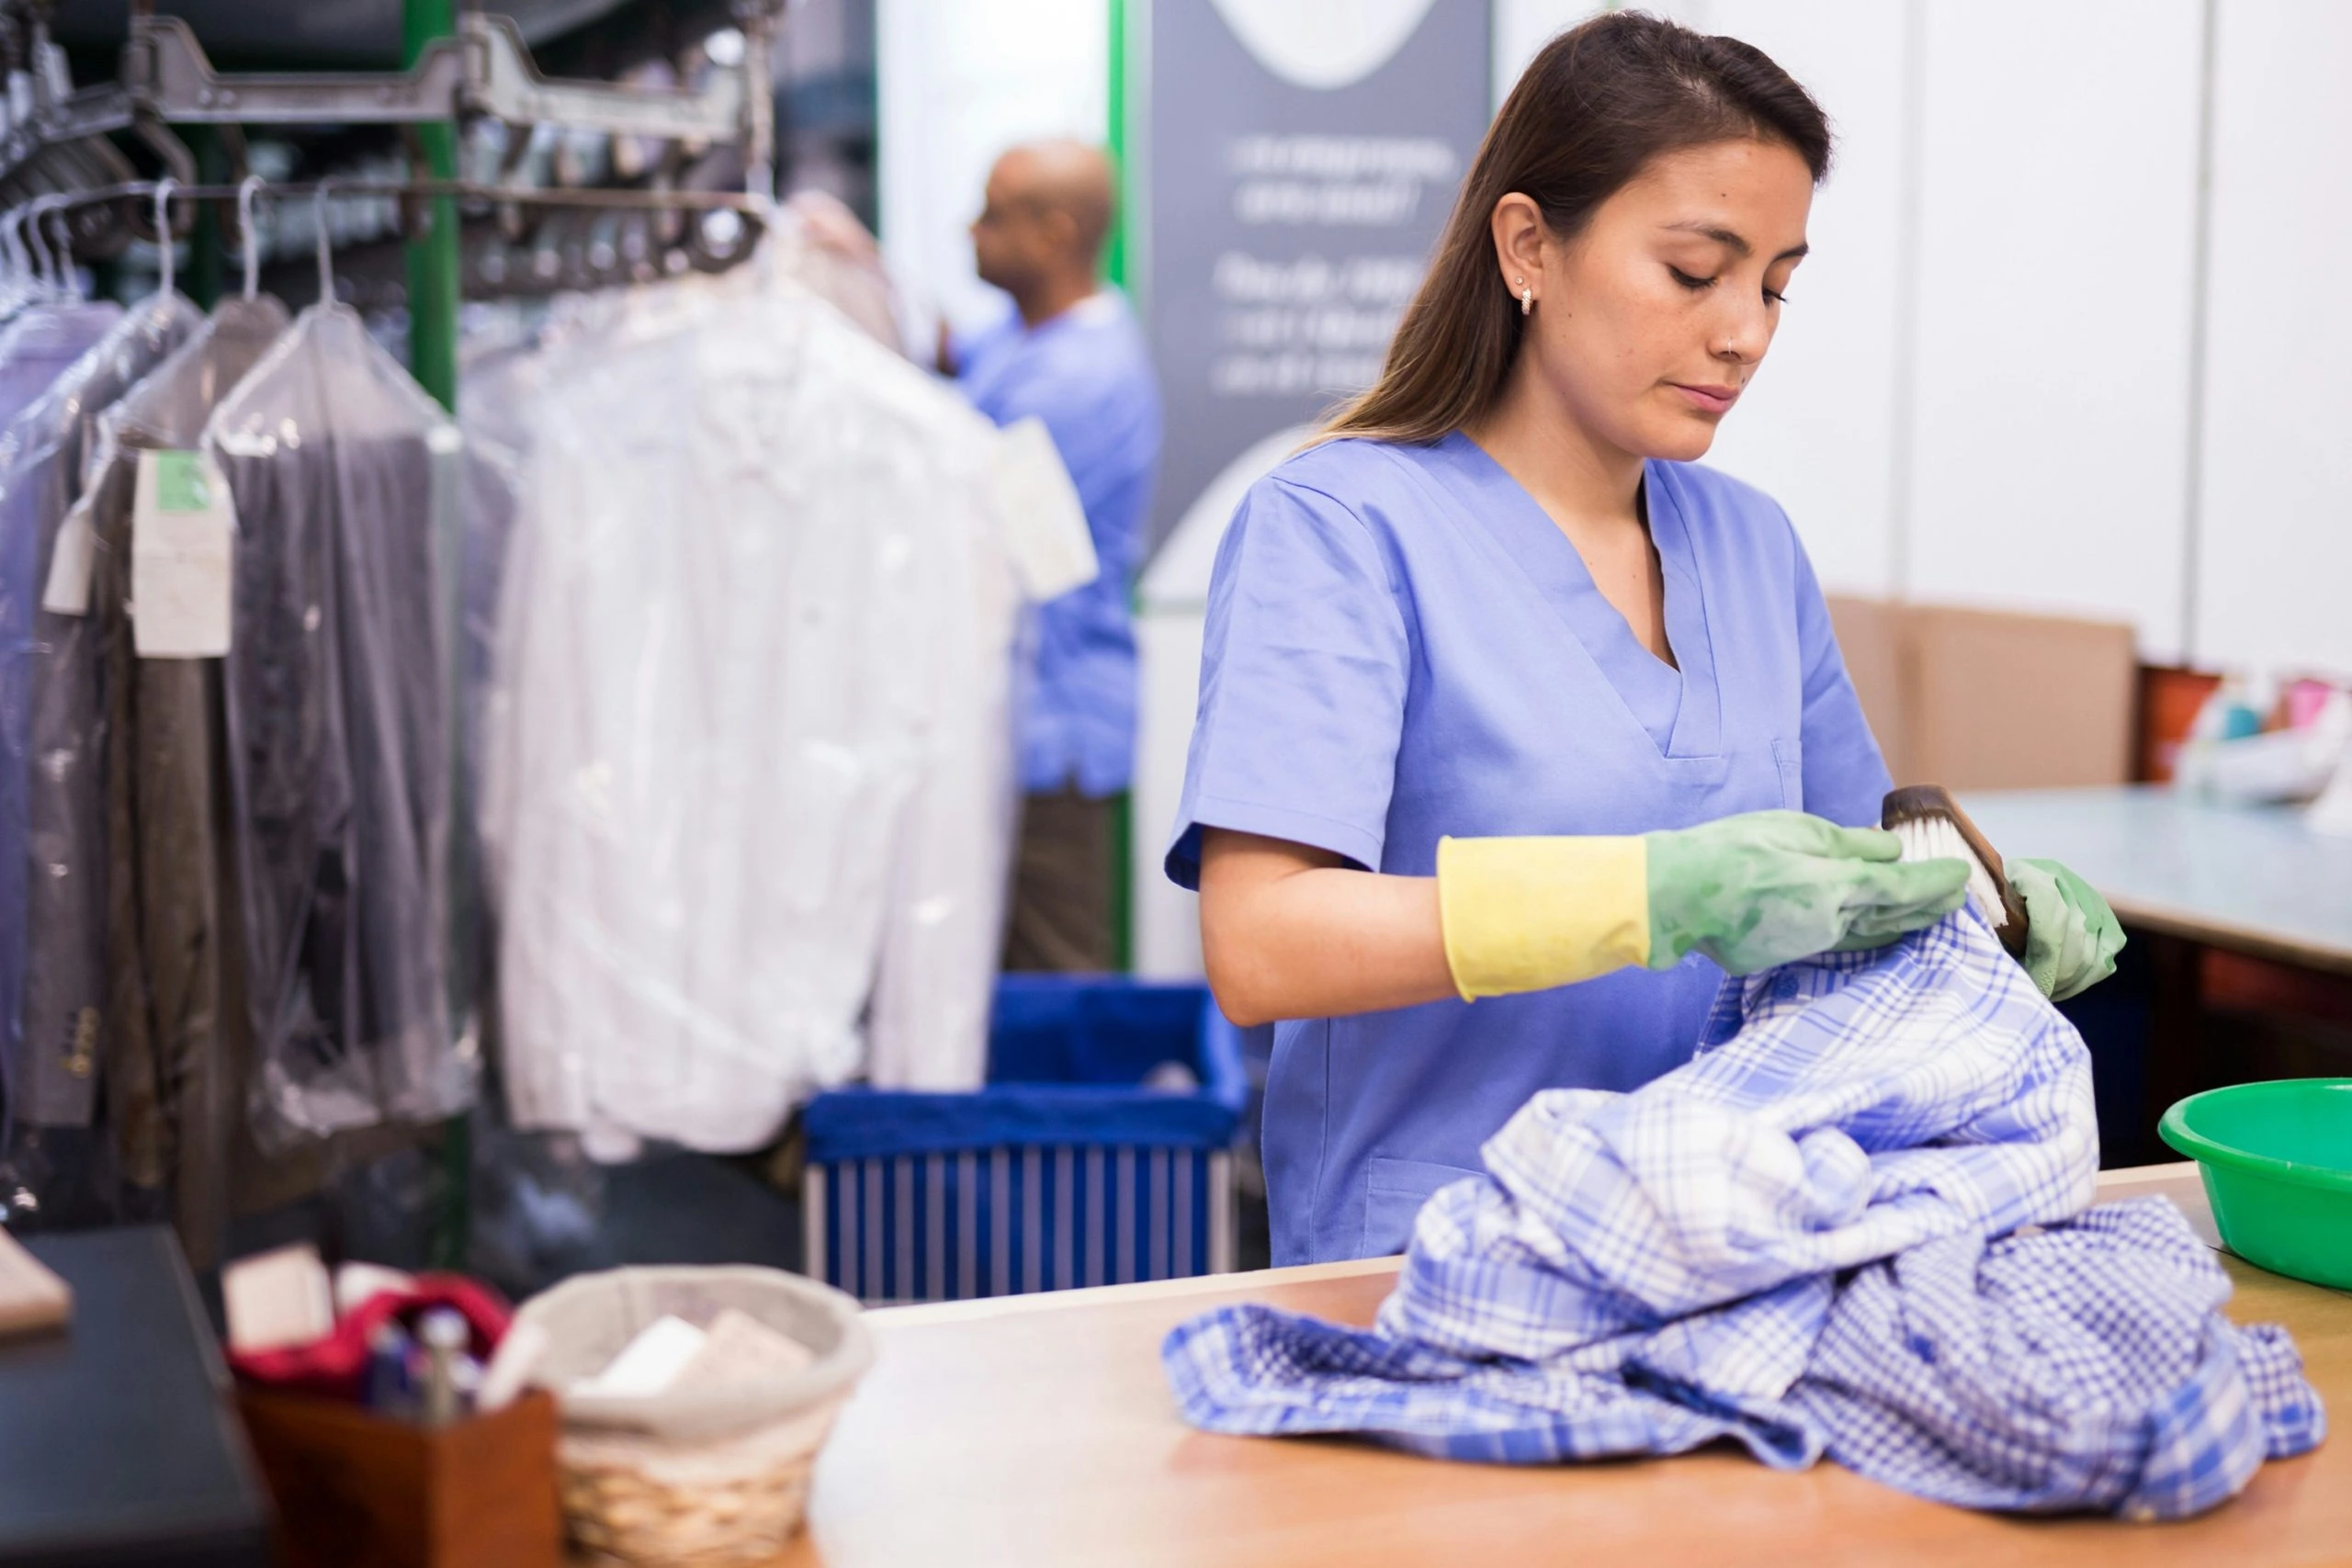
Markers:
point(1099, 1152)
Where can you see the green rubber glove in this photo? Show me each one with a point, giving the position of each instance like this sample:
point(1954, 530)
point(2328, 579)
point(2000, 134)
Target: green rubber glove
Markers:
point(2071, 936)
point(1769, 887)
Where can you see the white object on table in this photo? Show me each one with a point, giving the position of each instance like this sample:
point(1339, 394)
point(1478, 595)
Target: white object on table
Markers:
point(31, 1296)
point(354, 1282)
point(738, 1346)
point(2254, 879)
point(650, 1363)
point(2331, 812)
point(511, 1366)
point(276, 1299)
point(2284, 765)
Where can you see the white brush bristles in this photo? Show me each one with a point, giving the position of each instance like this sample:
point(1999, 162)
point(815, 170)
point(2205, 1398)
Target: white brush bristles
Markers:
point(1937, 837)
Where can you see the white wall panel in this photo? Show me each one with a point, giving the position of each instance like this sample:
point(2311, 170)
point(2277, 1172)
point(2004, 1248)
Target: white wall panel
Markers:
point(1524, 27)
point(1167, 919)
point(2275, 517)
point(1816, 428)
point(2059, 161)
point(960, 81)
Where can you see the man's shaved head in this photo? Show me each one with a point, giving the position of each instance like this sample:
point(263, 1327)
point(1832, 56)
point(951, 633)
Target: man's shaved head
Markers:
point(1049, 209)
point(1064, 176)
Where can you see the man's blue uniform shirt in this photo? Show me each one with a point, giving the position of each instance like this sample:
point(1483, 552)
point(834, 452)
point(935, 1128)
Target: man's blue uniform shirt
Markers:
point(1088, 375)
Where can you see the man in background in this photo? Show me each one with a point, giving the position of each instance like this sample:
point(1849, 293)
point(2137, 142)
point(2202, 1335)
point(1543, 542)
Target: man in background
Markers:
point(1070, 353)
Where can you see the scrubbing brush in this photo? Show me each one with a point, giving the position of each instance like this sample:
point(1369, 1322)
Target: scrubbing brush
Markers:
point(1931, 825)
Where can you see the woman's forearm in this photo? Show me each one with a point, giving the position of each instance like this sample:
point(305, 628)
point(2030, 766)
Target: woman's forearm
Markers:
point(1288, 932)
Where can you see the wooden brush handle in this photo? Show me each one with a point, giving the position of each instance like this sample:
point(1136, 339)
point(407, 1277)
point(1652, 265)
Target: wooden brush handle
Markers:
point(1926, 803)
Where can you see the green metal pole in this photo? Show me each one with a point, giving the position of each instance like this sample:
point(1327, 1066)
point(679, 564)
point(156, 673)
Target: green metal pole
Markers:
point(1123, 817)
point(433, 255)
point(1114, 260)
point(433, 359)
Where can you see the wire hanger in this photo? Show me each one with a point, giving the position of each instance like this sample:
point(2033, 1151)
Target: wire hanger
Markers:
point(57, 212)
point(21, 220)
point(47, 270)
point(326, 246)
point(12, 243)
point(163, 245)
point(247, 188)
point(16, 284)
point(61, 250)
point(50, 273)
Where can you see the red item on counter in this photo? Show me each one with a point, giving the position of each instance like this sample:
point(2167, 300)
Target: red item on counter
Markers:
point(336, 1366)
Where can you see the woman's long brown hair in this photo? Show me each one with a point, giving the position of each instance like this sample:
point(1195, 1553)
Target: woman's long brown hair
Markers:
point(1601, 101)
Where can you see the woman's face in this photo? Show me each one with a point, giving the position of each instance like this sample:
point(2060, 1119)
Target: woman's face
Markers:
point(1648, 325)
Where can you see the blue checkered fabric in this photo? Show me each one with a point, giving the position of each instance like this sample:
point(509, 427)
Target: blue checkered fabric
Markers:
point(1785, 1242)
point(2082, 1366)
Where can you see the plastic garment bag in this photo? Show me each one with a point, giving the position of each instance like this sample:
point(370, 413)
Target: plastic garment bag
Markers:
point(41, 343)
point(490, 410)
point(343, 473)
point(749, 753)
point(54, 735)
point(36, 348)
point(175, 1035)
point(39, 346)
point(821, 245)
point(927, 1020)
point(502, 367)
point(494, 390)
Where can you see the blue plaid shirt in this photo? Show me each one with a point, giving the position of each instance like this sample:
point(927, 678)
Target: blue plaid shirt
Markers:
point(1845, 1228)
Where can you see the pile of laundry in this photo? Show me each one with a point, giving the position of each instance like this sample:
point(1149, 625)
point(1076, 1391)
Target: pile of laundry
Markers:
point(1854, 1224)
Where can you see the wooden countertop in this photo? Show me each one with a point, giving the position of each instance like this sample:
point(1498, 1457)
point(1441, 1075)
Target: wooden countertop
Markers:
point(2251, 878)
point(1039, 1430)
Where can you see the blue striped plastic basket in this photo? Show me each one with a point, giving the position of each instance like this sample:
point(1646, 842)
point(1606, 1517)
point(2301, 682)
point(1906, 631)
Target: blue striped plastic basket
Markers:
point(1068, 1168)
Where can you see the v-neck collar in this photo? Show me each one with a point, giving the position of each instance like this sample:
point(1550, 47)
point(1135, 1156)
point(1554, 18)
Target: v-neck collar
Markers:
point(1677, 709)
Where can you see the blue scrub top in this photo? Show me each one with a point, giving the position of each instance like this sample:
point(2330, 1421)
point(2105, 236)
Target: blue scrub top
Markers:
point(1087, 375)
point(1402, 645)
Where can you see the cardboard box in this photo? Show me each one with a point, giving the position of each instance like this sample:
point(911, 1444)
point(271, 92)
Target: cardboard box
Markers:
point(1986, 699)
point(1870, 635)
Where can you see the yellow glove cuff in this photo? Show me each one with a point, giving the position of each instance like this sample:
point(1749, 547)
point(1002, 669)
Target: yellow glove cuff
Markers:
point(1530, 914)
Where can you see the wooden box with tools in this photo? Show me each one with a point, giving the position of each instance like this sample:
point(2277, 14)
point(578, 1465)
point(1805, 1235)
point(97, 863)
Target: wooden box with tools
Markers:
point(357, 1490)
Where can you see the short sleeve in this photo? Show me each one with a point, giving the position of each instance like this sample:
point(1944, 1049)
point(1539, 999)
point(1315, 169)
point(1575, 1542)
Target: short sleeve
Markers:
point(1304, 666)
point(1845, 777)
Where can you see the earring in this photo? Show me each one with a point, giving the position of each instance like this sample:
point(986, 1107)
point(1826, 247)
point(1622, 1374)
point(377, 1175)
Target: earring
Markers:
point(1526, 298)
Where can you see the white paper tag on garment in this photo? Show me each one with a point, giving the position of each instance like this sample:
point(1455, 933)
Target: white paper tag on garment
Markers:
point(183, 549)
point(67, 593)
point(1043, 522)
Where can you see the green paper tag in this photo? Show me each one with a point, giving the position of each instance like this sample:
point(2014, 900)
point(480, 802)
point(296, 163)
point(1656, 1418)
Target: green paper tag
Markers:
point(180, 482)
point(183, 545)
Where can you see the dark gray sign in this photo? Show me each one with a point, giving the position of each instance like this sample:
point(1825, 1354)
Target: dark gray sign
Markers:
point(1296, 188)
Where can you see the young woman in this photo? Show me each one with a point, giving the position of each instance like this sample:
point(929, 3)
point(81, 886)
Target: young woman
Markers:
point(1505, 699)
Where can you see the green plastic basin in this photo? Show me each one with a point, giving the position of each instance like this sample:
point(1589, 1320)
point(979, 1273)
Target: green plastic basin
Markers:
point(2277, 1159)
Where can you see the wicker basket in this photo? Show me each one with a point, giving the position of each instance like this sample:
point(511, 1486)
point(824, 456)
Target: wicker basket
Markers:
point(706, 1476)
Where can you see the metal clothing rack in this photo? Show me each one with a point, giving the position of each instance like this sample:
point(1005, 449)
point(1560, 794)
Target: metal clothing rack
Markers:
point(633, 198)
point(482, 68)
point(459, 67)
point(419, 198)
point(448, 1213)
